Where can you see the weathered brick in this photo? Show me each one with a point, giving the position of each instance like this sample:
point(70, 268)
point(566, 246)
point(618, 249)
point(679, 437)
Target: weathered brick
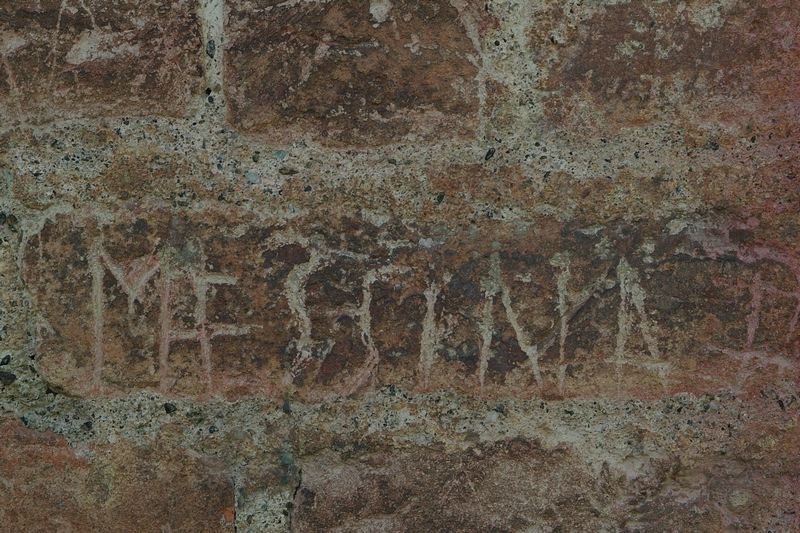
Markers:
point(354, 73)
point(516, 485)
point(699, 64)
point(88, 59)
point(590, 327)
point(427, 490)
point(216, 302)
point(47, 487)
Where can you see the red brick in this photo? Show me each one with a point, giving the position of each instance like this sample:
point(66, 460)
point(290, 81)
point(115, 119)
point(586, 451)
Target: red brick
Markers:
point(47, 487)
point(513, 486)
point(351, 74)
point(708, 476)
point(179, 301)
point(697, 63)
point(61, 60)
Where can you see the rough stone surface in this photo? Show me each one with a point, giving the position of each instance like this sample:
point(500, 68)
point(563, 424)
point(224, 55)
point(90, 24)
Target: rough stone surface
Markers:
point(399, 266)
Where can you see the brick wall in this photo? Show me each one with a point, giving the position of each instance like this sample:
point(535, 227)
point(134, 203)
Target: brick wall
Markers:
point(399, 266)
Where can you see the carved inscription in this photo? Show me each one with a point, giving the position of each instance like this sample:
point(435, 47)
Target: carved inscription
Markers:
point(211, 304)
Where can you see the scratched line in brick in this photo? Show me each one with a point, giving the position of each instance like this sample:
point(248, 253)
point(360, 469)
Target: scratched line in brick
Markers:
point(308, 321)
